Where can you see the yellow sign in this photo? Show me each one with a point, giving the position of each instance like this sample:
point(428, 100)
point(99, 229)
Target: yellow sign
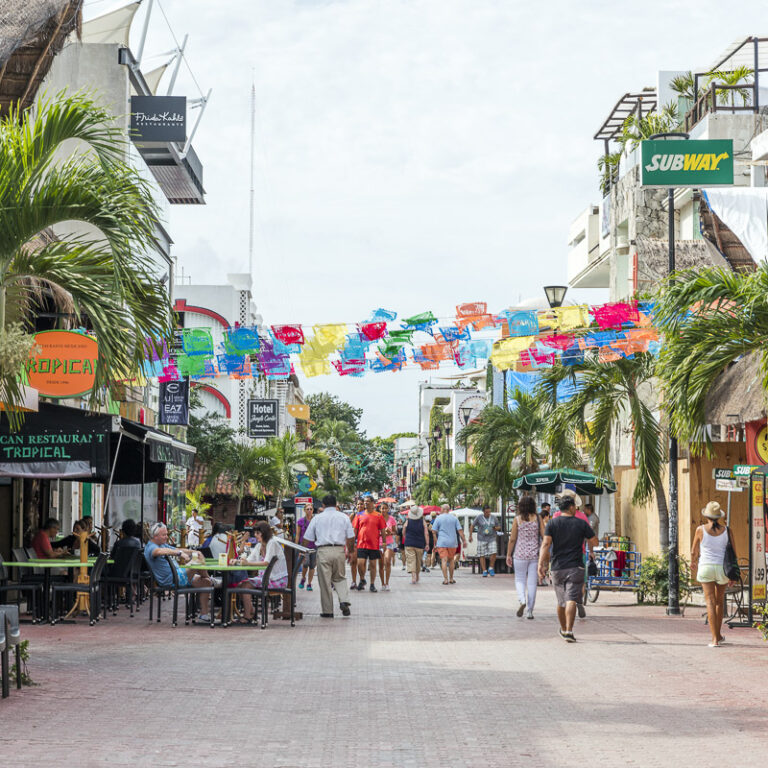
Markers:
point(301, 411)
point(757, 497)
point(761, 444)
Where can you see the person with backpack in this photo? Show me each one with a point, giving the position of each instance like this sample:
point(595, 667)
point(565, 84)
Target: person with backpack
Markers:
point(708, 567)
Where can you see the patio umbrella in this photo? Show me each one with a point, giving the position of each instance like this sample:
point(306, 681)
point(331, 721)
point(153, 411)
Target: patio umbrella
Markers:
point(551, 480)
point(466, 511)
point(408, 503)
point(388, 500)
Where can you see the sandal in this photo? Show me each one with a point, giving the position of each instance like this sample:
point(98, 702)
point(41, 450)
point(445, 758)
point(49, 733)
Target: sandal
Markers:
point(445, 582)
point(452, 581)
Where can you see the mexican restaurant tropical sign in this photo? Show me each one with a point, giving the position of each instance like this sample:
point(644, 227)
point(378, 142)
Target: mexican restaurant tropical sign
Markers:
point(64, 364)
point(686, 162)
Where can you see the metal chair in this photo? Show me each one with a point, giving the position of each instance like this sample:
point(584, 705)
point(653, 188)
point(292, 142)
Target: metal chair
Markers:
point(176, 589)
point(123, 573)
point(261, 592)
point(19, 587)
point(291, 588)
point(10, 636)
point(93, 588)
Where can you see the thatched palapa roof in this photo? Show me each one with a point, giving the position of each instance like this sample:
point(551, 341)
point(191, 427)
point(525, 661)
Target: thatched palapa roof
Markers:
point(653, 258)
point(720, 235)
point(32, 32)
point(738, 395)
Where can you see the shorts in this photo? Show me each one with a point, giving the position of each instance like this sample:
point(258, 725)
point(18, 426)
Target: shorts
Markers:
point(568, 584)
point(709, 572)
point(256, 581)
point(311, 561)
point(486, 548)
point(446, 553)
point(368, 554)
point(413, 559)
point(392, 547)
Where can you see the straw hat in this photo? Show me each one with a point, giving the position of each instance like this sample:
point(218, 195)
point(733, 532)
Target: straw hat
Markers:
point(415, 513)
point(575, 496)
point(713, 511)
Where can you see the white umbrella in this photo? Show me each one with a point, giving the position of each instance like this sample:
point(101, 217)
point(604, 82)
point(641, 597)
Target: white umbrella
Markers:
point(408, 503)
point(466, 511)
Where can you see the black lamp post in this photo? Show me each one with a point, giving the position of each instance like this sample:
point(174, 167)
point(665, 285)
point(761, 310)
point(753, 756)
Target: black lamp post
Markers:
point(466, 415)
point(555, 294)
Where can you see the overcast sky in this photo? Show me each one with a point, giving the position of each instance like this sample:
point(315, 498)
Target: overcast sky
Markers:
point(410, 154)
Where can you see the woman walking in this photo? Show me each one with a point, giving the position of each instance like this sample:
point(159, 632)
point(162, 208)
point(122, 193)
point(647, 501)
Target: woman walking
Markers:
point(415, 537)
point(523, 553)
point(707, 567)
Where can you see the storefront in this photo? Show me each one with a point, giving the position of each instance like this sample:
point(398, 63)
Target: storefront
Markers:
point(61, 450)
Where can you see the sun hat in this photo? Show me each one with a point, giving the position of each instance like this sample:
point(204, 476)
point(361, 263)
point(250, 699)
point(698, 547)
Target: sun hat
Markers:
point(575, 496)
point(415, 513)
point(713, 511)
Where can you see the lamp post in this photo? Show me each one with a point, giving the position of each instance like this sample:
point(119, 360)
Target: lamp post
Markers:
point(466, 415)
point(555, 295)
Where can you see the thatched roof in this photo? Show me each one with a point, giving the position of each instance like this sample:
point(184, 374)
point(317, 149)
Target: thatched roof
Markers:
point(653, 258)
point(718, 233)
point(737, 395)
point(32, 32)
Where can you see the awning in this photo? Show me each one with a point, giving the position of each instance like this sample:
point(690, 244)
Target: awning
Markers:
point(552, 481)
point(70, 443)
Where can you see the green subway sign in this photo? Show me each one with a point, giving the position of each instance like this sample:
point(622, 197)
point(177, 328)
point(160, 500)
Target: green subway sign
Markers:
point(686, 162)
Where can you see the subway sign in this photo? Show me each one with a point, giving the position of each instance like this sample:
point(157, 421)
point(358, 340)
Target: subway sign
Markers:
point(686, 162)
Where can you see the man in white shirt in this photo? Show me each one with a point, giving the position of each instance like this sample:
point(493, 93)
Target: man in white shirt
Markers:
point(331, 531)
point(194, 526)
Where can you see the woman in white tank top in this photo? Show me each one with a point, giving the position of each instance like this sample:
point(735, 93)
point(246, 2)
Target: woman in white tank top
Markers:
point(707, 558)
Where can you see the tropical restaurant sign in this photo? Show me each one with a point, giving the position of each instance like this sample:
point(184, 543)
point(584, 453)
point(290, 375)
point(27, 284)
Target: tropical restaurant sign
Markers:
point(686, 162)
point(63, 364)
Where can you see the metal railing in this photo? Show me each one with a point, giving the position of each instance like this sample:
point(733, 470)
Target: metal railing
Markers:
point(708, 103)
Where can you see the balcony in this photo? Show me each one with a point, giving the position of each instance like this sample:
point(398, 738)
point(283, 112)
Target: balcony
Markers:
point(588, 263)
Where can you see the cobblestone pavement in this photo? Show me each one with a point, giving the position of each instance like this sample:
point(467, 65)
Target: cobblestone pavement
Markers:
point(428, 676)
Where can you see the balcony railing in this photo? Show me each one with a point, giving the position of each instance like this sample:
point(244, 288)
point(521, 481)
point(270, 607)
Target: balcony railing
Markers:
point(708, 103)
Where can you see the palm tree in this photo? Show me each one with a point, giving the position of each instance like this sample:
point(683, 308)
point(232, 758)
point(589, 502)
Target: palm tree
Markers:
point(195, 501)
point(709, 318)
point(434, 487)
point(336, 433)
point(249, 468)
point(470, 485)
point(732, 77)
point(97, 273)
point(605, 395)
point(288, 460)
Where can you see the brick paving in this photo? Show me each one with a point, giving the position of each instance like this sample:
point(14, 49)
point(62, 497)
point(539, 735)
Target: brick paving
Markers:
point(421, 676)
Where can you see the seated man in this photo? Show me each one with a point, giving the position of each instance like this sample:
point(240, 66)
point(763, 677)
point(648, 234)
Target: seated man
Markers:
point(41, 542)
point(129, 539)
point(154, 553)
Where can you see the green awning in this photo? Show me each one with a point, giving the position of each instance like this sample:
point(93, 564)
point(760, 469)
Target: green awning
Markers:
point(551, 481)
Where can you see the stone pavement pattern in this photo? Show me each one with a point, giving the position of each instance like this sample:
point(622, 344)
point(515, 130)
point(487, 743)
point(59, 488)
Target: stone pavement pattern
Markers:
point(426, 676)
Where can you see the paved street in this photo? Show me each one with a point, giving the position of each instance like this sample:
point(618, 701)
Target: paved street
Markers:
point(422, 676)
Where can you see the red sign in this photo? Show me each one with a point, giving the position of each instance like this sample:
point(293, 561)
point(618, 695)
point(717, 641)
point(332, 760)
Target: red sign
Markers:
point(64, 364)
point(299, 500)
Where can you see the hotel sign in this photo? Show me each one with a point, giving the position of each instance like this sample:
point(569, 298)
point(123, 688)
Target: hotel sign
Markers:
point(262, 418)
point(63, 364)
point(686, 162)
point(159, 118)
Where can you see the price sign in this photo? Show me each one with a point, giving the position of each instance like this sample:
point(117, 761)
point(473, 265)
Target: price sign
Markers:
point(758, 542)
point(728, 484)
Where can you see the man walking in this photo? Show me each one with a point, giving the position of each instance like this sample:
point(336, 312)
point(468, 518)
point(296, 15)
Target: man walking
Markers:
point(353, 515)
point(330, 531)
point(486, 526)
point(448, 529)
point(566, 535)
point(369, 527)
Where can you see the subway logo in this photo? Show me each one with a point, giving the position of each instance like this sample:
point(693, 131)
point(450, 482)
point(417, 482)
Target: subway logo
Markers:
point(691, 161)
point(686, 162)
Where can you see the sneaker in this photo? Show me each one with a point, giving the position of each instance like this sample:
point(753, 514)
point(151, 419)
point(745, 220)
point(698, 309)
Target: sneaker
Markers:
point(205, 618)
point(385, 587)
point(309, 587)
point(567, 636)
point(372, 588)
point(520, 610)
point(491, 572)
point(582, 613)
point(301, 585)
point(485, 574)
point(362, 583)
point(403, 568)
point(529, 616)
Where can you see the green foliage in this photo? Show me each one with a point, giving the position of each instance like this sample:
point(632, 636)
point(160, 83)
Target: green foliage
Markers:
point(24, 653)
point(653, 579)
point(327, 407)
point(195, 501)
point(211, 435)
point(467, 484)
point(287, 460)
point(105, 281)
point(761, 623)
point(250, 468)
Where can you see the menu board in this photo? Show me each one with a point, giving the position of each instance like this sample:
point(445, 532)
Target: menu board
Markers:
point(757, 543)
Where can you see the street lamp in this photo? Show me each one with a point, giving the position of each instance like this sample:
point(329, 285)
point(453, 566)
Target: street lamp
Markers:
point(555, 295)
point(466, 415)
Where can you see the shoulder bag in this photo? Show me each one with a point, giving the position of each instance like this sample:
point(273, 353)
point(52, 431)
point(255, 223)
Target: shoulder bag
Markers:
point(730, 563)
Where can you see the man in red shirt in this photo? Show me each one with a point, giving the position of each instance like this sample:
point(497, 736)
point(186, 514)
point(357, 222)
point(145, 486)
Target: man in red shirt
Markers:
point(41, 542)
point(368, 527)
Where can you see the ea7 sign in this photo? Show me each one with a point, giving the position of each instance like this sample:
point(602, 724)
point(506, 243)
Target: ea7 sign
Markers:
point(159, 118)
point(262, 418)
point(686, 162)
point(174, 402)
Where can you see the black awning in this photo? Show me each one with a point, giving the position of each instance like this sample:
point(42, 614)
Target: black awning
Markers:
point(58, 442)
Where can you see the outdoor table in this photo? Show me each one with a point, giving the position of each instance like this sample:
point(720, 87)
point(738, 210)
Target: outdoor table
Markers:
point(48, 565)
point(213, 565)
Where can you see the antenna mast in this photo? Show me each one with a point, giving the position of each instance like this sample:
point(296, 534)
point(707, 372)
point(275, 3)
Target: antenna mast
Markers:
point(250, 220)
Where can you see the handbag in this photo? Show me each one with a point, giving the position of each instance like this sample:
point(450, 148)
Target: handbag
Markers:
point(730, 563)
point(591, 568)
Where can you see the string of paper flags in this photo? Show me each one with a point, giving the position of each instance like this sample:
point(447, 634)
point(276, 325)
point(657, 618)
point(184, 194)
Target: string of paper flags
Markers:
point(522, 340)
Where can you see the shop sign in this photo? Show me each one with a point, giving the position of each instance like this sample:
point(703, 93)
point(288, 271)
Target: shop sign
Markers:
point(300, 500)
point(262, 418)
point(686, 162)
point(743, 470)
point(64, 364)
point(722, 473)
point(159, 118)
point(174, 403)
point(730, 485)
point(758, 542)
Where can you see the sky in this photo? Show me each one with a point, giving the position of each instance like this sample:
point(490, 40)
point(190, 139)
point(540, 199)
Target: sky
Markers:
point(410, 154)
